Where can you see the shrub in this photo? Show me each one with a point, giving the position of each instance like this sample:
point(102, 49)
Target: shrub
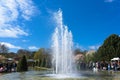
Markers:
point(22, 65)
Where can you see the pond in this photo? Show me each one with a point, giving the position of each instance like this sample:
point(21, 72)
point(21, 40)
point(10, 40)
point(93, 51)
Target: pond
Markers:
point(47, 75)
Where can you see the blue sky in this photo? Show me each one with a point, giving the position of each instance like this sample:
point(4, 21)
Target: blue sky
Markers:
point(29, 24)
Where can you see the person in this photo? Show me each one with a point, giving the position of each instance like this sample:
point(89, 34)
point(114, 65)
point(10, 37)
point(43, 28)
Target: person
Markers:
point(14, 66)
point(115, 66)
point(1, 67)
point(108, 66)
point(7, 68)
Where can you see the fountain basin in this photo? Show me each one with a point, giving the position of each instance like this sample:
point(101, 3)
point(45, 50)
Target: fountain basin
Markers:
point(47, 75)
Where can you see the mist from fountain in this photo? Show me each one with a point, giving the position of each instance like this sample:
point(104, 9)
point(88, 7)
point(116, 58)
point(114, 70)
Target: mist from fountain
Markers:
point(62, 45)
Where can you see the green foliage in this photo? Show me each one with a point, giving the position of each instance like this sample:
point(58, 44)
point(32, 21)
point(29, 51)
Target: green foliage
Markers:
point(39, 54)
point(44, 62)
point(110, 48)
point(43, 58)
point(22, 65)
point(89, 57)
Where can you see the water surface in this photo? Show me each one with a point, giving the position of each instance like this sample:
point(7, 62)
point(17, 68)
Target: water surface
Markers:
point(47, 75)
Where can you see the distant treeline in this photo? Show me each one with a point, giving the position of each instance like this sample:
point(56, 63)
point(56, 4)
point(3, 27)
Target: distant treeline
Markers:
point(108, 50)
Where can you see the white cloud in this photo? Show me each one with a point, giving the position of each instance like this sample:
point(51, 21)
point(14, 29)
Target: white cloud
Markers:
point(109, 1)
point(12, 32)
point(9, 45)
point(79, 46)
point(32, 47)
point(94, 47)
point(27, 8)
point(24, 40)
point(11, 12)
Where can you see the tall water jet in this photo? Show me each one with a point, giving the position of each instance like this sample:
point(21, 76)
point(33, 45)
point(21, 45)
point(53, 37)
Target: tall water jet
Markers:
point(62, 46)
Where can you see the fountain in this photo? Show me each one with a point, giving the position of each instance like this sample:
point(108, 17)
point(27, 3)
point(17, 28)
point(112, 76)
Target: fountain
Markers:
point(62, 47)
point(62, 61)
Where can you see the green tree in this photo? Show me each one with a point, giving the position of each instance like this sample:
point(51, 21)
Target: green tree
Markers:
point(38, 56)
point(110, 48)
point(43, 57)
point(88, 58)
point(22, 65)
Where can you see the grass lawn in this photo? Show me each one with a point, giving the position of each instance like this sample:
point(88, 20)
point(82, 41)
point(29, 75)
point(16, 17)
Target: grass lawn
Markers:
point(41, 68)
